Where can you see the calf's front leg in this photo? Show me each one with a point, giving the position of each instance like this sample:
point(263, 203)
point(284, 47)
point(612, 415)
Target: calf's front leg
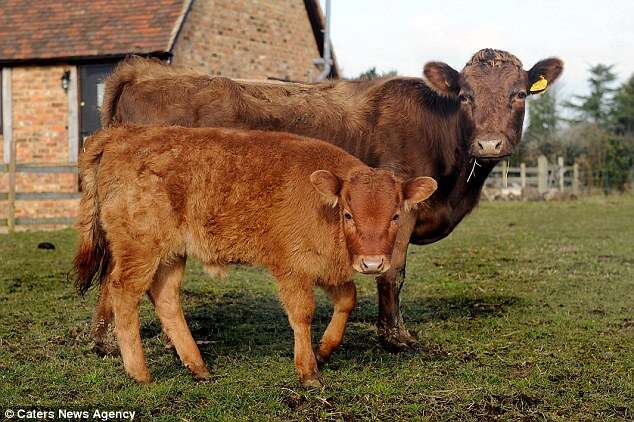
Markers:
point(344, 299)
point(298, 299)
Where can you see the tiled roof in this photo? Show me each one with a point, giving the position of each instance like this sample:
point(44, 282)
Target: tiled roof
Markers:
point(46, 29)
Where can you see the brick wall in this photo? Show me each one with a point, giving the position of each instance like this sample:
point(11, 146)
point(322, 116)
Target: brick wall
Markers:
point(40, 130)
point(249, 39)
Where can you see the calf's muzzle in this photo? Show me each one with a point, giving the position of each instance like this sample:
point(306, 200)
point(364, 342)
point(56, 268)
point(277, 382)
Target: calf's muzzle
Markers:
point(372, 264)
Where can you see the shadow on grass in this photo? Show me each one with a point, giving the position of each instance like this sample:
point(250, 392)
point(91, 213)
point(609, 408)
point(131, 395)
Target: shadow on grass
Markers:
point(244, 323)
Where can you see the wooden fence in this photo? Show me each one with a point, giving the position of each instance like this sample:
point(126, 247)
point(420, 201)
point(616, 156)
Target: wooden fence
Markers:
point(13, 169)
point(544, 177)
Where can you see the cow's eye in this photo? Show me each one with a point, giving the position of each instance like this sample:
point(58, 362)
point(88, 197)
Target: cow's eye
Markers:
point(347, 215)
point(464, 98)
point(396, 217)
point(521, 95)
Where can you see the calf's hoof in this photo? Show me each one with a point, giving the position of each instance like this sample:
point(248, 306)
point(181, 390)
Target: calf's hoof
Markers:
point(320, 358)
point(142, 378)
point(167, 342)
point(200, 374)
point(312, 382)
point(397, 340)
point(105, 349)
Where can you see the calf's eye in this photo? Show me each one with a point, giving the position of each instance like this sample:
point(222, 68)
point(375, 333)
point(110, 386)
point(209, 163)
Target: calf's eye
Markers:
point(396, 217)
point(347, 215)
point(521, 95)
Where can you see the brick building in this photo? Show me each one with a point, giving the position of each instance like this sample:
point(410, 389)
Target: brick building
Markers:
point(54, 55)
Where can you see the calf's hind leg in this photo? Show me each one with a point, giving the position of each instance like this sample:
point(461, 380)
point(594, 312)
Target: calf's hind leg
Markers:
point(344, 299)
point(165, 295)
point(299, 301)
point(101, 320)
point(127, 289)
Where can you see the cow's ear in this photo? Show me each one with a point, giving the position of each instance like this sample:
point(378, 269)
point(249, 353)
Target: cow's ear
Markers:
point(544, 73)
point(327, 184)
point(442, 78)
point(418, 189)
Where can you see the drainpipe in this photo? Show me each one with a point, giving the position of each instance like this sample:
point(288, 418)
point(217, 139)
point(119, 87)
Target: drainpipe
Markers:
point(326, 60)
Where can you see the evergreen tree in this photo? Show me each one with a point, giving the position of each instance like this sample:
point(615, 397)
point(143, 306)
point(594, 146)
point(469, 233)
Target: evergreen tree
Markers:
point(623, 110)
point(543, 122)
point(371, 73)
point(596, 106)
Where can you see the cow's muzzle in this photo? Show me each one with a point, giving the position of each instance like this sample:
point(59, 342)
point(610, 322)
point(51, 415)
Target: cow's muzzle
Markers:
point(491, 147)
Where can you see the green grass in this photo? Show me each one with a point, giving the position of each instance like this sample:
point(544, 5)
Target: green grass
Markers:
point(525, 312)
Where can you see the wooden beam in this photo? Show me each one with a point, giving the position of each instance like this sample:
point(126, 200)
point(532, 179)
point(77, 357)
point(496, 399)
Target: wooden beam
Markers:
point(7, 119)
point(73, 116)
point(9, 148)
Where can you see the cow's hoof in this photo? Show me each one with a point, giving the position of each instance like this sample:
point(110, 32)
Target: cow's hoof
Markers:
point(398, 340)
point(312, 383)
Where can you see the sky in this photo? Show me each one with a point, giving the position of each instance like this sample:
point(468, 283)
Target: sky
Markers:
point(403, 35)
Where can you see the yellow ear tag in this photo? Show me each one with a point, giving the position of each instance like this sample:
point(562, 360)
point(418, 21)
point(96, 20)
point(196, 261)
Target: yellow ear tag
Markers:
point(540, 85)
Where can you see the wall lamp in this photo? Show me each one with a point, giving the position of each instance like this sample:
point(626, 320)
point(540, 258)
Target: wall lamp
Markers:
point(66, 80)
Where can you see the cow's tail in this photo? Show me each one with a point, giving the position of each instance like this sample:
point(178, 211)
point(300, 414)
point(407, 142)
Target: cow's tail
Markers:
point(126, 72)
point(92, 258)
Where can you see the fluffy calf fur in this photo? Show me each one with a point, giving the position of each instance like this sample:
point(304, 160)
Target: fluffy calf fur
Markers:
point(153, 196)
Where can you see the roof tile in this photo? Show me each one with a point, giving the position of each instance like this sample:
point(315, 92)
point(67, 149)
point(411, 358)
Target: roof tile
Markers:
point(47, 29)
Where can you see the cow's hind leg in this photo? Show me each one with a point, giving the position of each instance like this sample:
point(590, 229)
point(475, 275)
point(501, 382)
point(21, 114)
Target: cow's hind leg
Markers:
point(128, 287)
point(165, 294)
point(299, 301)
point(344, 299)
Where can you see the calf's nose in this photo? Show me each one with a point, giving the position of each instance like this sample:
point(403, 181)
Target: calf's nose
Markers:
point(489, 147)
point(372, 264)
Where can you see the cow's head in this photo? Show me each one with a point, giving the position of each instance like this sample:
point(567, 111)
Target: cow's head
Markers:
point(370, 204)
point(492, 89)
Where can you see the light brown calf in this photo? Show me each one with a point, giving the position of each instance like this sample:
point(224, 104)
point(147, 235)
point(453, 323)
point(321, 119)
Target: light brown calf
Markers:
point(307, 211)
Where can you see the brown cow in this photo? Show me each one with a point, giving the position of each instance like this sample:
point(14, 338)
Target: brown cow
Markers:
point(306, 210)
point(454, 127)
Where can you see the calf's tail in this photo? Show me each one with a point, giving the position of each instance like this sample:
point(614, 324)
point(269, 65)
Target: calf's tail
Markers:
point(92, 259)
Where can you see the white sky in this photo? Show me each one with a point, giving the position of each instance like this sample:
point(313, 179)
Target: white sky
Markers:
point(405, 34)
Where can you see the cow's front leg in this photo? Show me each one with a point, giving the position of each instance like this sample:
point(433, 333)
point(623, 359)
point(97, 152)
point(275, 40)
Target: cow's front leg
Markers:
point(391, 330)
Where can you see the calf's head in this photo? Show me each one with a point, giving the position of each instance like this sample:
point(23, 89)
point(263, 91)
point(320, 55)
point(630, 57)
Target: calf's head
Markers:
point(492, 89)
point(370, 204)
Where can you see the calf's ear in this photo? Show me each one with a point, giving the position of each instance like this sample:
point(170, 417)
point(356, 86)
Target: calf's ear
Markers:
point(442, 78)
point(416, 190)
point(544, 73)
point(327, 184)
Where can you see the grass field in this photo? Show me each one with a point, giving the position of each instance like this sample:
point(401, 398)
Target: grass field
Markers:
point(525, 312)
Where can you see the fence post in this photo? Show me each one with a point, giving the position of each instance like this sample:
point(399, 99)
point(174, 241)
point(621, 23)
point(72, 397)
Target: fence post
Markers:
point(523, 175)
point(575, 179)
point(562, 171)
point(542, 174)
point(505, 174)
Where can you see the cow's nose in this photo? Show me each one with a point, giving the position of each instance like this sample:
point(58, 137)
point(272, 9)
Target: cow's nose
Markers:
point(489, 147)
point(372, 264)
